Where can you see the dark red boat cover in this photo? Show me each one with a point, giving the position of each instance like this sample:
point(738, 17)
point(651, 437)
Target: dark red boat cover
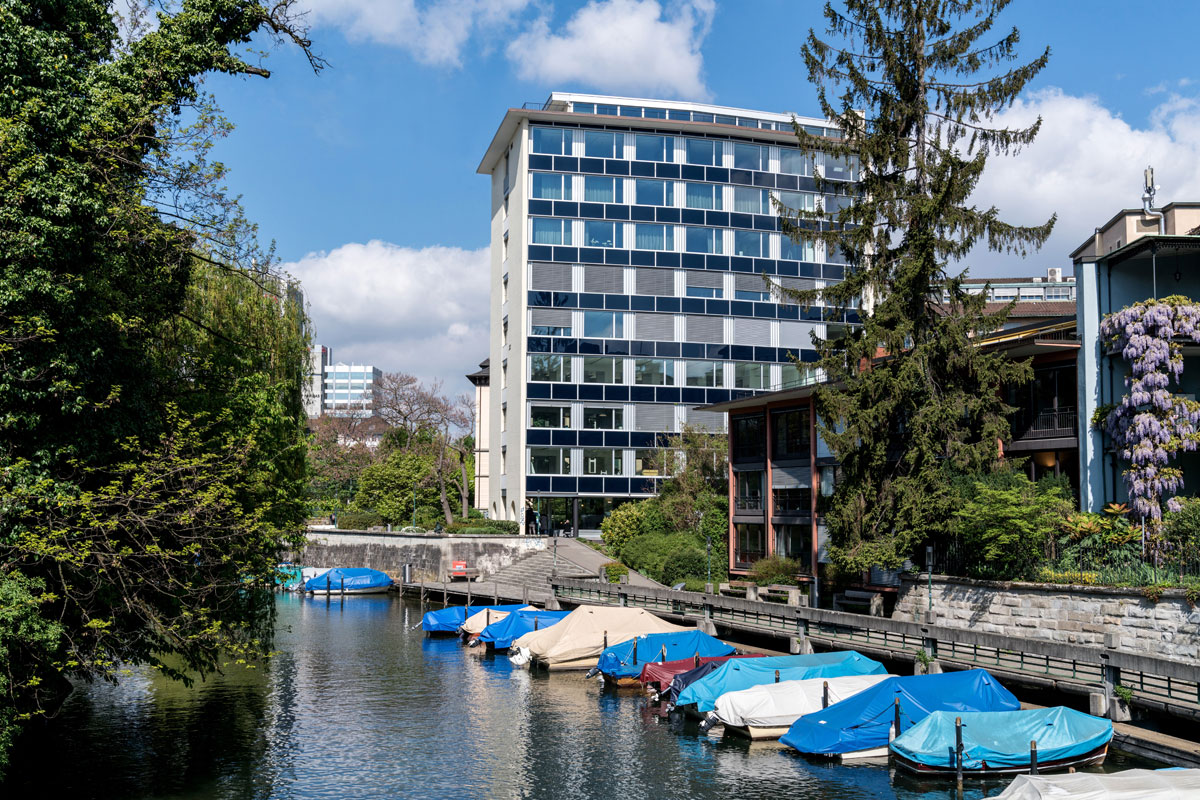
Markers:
point(663, 672)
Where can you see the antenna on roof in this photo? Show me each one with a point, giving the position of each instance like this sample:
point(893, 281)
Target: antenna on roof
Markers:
point(1148, 201)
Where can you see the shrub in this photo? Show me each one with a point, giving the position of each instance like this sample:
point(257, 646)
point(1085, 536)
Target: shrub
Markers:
point(614, 571)
point(621, 526)
point(648, 554)
point(358, 520)
point(684, 563)
point(775, 569)
point(1068, 577)
point(1008, 527)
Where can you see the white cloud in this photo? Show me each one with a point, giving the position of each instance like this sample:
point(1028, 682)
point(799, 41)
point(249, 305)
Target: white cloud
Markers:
point(625, 46)
point(434, 32)
point(401, 309)
point(1086, 164)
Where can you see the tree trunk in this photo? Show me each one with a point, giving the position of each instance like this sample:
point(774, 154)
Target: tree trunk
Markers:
point(441, 477)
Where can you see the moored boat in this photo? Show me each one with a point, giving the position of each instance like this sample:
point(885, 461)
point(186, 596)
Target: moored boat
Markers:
point(622, 663)
point(349, 581)
point(501, 634)
point(768, 710)
point(451, 618)
point(657, 677)
point(1130, 784)
point(578, 640)
point(474, 624)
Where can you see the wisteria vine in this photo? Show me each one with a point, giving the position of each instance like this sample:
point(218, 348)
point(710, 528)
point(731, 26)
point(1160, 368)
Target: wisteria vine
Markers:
point(1150, 425)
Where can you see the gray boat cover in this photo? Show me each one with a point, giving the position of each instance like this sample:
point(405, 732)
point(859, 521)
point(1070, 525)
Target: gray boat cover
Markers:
point(773, 705)
point(1131, 784)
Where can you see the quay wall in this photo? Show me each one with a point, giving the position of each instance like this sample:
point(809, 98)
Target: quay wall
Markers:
point(431, 554)
point(1121, 619)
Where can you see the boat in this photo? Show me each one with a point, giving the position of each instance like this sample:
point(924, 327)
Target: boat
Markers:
point(767, 711)
point(1130, 784)
point(288, 577)
point(657, 677)
point(349, 580)
point(622, 663)
point(701, 696)
point(474, 624)
point(861, 726)
point(578, 640)
point(998, 742)
point(501, 634)
point(451, 618)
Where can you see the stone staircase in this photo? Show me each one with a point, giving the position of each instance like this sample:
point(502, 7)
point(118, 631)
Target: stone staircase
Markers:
point(535, 571)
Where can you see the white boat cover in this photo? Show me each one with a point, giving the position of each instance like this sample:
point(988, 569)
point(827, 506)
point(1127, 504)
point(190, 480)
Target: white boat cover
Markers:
point(780, 704)
point(581, 635)
point(1130, 784)
point(481, 619)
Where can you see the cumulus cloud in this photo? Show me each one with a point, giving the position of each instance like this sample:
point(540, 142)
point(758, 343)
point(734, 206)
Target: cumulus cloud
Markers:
point(1086, 164)
point(401, 309)
point(624, 46)
point(433, 32)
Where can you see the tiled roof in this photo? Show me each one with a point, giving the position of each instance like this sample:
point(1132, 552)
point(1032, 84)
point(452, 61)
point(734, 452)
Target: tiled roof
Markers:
point(1035, 308)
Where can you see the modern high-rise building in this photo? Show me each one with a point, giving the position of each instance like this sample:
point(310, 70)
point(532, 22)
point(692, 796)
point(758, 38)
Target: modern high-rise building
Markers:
point(320, 357)
point(348, 389)
point(629, 240)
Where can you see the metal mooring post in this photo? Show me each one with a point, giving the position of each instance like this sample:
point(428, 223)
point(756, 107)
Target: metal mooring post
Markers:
point(929, 569)
point(958, 751)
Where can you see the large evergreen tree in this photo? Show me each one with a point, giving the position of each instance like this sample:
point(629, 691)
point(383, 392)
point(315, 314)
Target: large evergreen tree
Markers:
point(908, 395)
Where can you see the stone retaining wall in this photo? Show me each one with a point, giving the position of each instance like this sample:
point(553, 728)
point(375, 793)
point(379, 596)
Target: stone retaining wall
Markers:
point(1083, 615)
point(431, 554)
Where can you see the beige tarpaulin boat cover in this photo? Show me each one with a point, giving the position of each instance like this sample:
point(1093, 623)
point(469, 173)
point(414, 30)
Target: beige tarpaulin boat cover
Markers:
point(774, 705)
point(578, 639)
point(481, 619)
point(1131, 784)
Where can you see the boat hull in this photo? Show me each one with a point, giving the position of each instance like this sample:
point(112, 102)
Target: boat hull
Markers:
point(758, 733)
point(338, 592)
point(1091, 759)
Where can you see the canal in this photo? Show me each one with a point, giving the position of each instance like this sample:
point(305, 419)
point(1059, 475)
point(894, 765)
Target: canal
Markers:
point(358, 703)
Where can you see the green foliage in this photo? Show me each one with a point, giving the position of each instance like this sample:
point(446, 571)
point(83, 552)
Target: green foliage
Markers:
point(614, 571)
point(624, 524)
point(684, 563)
point(776, 570)
point(1154, 591)
point(27, 635)
point(1009, 528)
point(358, 520)
point(648, 554)
point(1181, 535)
point(390, 486)
point(1123, 693)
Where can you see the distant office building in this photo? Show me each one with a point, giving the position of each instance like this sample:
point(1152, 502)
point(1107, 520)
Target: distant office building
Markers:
point(348, 389)
point(320, 357)
point(481, 379)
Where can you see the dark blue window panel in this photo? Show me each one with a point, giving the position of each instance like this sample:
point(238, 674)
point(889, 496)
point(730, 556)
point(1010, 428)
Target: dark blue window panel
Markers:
point(667, 304)
point(666, 214)
point(834, 272)
point(691, 216)
point(591, 255)
point(717, 395)
point(591, 210)
point(564, 209)
point(591, 391)
point(806, 184)
point(616, 347)
point(853, 318)
point(616, 439)
point(591, 438)
point(764, 179)
point(641, 439)
point(566, 300)
point(666, 259)
point(692, 260)
point(539, 344)
point(563, 391)
point(764, 310)
point(616, 485)
point(641, 302)
point(693, 396)
point(615, 167)
point(537, 391)
point(563, 484)
point(809, 356)
point(591, 300)
point(541, 162)
point(617, 302)
point(642, 213)
point(766, 265)
point(666, 394)
point(741, 352)
point(764, 354)
point(591, 485)
point(593, 166)
point(717, 219)
point(716, 307)
point(692, 305)
point(789, 268)
point(566, 164)
point(591, 347)
point(812, 313)
point(566, 345)
point(690, 172)
point(562, 438)
point(642, 486)
point(717, 262)
point(717, 174)
point(641, 258)
point(616, 393)
point(742, 176)
point(568, 254)
point(741, 264)
point(545, 207)
point(719, 352)
point(616, 212)
point(537, 436)
point(764, 223)
point(785, 181)
point(834, 315)
point(666, 170)
point(691, 350)
point(616, 257)
point(666, 349)
point(662, 439)
point(643, 169)
point(788, 312)
point(645, 349)
point(540, 252)
point(809, 270)
point(641, 394)
point(742, 308)
point(537, 483)
point(540, 299)
point(741, 220)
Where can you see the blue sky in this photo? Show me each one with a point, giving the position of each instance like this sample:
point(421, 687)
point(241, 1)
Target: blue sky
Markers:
point(365, 177)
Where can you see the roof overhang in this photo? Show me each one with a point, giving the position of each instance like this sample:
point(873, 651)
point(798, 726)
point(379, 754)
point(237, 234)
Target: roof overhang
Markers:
point(760, 400)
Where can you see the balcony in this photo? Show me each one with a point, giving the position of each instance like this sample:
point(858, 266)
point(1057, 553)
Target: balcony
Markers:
point(791, 503)
point(1048, 423)
point(749, 503)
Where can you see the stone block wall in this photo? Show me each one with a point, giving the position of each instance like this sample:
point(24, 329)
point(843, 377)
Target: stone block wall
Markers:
point(431, 554)
point(1082, 615)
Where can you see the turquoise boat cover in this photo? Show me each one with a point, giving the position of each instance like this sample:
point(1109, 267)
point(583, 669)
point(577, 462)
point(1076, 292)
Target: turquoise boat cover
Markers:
point(739, 674)
point(625, 660)
point(862, 722)
point(503, 633)
point(449, 619)
point(996, 739)
point(288, 576)
point(348, 578)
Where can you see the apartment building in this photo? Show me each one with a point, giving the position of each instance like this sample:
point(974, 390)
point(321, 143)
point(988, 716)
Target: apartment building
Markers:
point(320, 357)
point(348, 389)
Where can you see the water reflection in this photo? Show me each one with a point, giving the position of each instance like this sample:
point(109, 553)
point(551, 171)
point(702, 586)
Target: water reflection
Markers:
point(357, 703)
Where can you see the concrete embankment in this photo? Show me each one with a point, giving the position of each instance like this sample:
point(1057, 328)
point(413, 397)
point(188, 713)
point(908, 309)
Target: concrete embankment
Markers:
point(431, 554)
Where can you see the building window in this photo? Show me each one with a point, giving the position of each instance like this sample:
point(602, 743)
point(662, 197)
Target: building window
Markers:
point(795, 162)
point(751, 544)
point(551, 231)
point(803, 250)
point(602, 234)
point(748, 490)
point(705, 291)
point(646, 462)
point(792, 435)
point(702, 373)
point(748, 200)
point(702, 240)
point(749, 438)
point(703, 151)
point(602, 462)
point(653, 372)
point(603, 369)
point(798, 201)
point(795, 541)
point(603, 144)
point(549, 186)
point(551, 140)
point(554, 369)
point(549, 461)
point(793, 375)
point(745, 294)
point(702, 195)
point(841, 168)
point(748, 243)
point(750, 156)
point(653, 148)
point(750, 376)
point(603, 324)
point(654, 193)
point(653, 237)
point(1058, 293)
point(602, 190)
point(551, 330)
point(550, 417)
point(603, 419)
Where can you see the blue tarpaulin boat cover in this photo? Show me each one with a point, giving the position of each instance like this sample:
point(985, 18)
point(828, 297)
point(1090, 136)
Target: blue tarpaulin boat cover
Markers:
point(737, 674)
point(625, 660)
point(503, 633)
point(862, 722)
point(448, 620)
point(348, 578)
point(995, 739)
